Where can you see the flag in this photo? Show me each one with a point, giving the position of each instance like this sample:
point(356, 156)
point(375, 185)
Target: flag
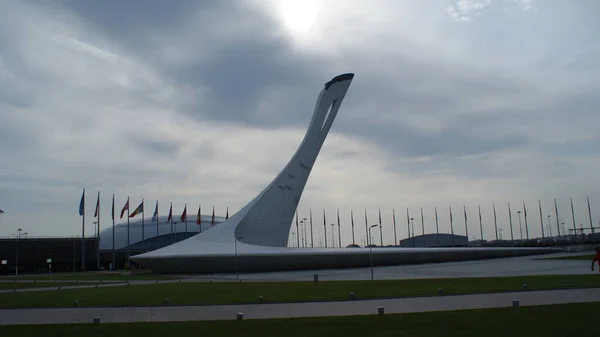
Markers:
point(155, 215)
point(126, 207)
point(82, 203)
point(112, 210)
point(138, 210)
point(97, 206)
point(184, 214)
point(227, 215)
point(212, 219)
point(198, 217)
point(170, 218)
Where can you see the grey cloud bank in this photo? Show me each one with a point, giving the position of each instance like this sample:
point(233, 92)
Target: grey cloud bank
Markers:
point(203, 102)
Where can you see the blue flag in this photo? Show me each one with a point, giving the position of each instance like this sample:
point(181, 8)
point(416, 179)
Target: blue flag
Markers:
point(82, 202)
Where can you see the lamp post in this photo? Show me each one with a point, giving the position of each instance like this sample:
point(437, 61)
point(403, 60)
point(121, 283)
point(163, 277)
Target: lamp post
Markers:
point(237, 271)
point(520, 225)
point(371, 252)
point(18, 235)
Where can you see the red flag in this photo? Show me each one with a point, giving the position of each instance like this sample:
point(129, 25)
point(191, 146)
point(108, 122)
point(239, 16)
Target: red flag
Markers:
point(97, 206)
point(125, 208)
point(198, 218)
point(170, 213)
point(212, 220)
point(184, 214)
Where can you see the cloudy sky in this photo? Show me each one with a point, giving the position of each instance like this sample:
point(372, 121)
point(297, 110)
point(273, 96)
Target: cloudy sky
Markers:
point(454, 103)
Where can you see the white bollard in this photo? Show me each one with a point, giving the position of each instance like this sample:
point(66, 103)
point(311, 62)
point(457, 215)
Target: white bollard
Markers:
point(380, 310)
point(240, 316)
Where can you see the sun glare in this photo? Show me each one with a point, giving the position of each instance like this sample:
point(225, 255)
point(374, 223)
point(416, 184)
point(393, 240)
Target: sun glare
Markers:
point(299, 16)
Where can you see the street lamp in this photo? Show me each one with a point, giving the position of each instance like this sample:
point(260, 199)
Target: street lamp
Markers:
point(301, 230)
point(371, 252)
point(237, 272)
point(18, 235)
point(520, 225)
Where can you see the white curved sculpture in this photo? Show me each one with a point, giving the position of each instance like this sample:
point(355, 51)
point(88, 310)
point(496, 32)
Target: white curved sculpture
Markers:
point(255, 238)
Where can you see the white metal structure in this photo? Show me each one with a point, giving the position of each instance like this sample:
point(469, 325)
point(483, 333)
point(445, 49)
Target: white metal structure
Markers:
point(165, 234)
point(255, 238)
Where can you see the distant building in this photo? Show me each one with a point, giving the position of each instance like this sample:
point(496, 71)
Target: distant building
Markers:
point(436, 240)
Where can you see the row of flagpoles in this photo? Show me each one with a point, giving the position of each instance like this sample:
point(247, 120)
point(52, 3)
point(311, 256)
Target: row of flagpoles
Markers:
point(136, 211)
point(301, 231)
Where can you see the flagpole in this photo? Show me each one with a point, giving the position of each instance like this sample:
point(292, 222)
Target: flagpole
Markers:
point(325, 228)
point(83, 233)
point(171, 216)
point(98, 248)
point(495, 221)
point(157, 233)
point(480, 223)
point(143, 228)
point(512, 238)
point(186, 222)
point(411, 242)
point(557, 222)
point(380, 228)
point(127, 254)
point(590, 215)
point(312, 242)
point(422, 222)
point(525, 216)
point(573, 215)
point(339, 229)
point(113, 231)
point(352, 222)
point(541, 218)
point(466, 227)
point(394, 219)
point(367, 229)
point(451, 226)
point(437, 227)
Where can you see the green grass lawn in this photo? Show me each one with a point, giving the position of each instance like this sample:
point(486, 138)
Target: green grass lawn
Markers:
point(111, 276)
point(24, 285)
point(573, 257)
point(541, 321)
point(203, 293)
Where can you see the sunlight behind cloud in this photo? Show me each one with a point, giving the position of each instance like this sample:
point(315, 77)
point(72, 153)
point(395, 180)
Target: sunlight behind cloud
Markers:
point(299, 16)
